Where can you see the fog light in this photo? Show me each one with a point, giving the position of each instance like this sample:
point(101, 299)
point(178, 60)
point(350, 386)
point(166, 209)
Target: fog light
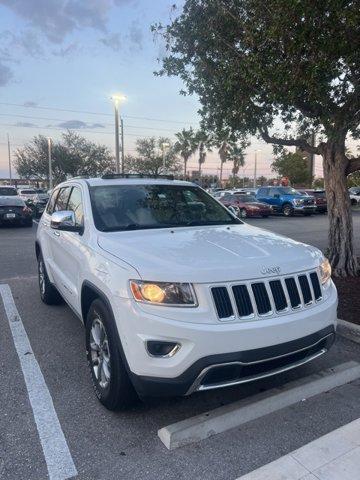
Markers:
point(162, 349)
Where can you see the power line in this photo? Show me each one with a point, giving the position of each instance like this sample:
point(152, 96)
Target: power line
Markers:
point(92, 113)
point(69, 120)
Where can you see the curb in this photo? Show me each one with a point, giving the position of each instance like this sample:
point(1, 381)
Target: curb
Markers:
point(348, 330)
point(233, 415)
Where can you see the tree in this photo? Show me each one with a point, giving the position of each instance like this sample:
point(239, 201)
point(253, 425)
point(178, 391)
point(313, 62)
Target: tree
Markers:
point(293, 166)
point(262, 180)
point(149, 159)
point(318, 183)
point(203, 142)
point(253, 65)
point(185, 145)
point(72, 155)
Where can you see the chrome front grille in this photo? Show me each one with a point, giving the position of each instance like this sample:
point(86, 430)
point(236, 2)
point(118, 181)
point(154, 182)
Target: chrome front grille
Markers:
point(263, 298)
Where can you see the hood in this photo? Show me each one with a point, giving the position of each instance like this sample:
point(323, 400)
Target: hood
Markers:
point(208, 254)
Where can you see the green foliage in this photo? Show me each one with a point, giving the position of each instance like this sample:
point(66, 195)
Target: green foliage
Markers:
point(318, 183)
point(293, 166)
point(72, 155)
point(186, 145)
point(150, 157)
point(353, 180)
point(251, 63)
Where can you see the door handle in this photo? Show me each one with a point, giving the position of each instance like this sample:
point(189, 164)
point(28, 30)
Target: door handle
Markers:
point(56, 233)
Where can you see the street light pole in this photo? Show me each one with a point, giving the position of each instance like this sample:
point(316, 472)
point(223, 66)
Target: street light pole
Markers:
point(255, 168)
point(50, 165)
point(117, 144)
point(116, 100)
point(164, 146)
point(122, 147)
point(9, 153)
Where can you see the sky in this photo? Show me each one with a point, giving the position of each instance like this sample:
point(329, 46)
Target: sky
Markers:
point(62, 59)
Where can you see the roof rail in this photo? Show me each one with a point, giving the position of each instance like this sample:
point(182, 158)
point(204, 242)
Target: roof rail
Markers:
point(110, 176)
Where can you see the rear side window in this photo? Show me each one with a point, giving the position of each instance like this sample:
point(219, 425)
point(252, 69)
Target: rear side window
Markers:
point(50, 207)
point(62, 199)
point(8, 192)
point(75, 204)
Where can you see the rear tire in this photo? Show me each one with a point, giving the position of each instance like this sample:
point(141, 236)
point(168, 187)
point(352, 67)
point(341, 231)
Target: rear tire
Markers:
point(28, 223)
point(110, 379)
point(287, 210)
point(48, 293)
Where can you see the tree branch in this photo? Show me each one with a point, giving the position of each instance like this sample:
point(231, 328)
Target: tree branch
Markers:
point(289, 142)
point(353, 165)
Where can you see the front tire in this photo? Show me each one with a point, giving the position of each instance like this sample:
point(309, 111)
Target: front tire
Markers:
point(48, 293)
point(110, 379)
point(287, 210)
point(28, 223)
point(243, 213)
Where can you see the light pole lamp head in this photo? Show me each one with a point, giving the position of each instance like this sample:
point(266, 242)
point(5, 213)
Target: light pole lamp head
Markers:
point(118, 98)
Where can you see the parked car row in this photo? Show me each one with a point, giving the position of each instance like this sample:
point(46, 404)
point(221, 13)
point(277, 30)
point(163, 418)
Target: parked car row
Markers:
point(19, 206)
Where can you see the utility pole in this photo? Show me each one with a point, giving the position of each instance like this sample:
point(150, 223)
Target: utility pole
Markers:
point(122, 147)
point(9, 153)
point(117, 145)
point(312, 156)
point(255, 168)
point(50, 165)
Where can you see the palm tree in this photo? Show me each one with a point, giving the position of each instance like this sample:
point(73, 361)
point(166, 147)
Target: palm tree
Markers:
point(203, 144)
point(237, 156)
point(185, 145)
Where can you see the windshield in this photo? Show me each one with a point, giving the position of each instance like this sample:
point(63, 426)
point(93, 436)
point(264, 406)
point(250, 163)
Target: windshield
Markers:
point(288, 191)
point(9, 192)
point(246, 198)
point(28, 192)
point(136, 207)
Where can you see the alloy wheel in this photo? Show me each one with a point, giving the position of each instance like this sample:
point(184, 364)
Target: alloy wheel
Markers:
point(100, 353)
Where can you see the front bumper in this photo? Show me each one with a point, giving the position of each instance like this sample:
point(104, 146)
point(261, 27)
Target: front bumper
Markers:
point(304, 208)
point(208, 342)
point(219, 371)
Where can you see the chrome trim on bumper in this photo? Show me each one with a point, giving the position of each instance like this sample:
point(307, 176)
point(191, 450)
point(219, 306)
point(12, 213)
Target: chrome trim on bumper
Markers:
point(197, 386)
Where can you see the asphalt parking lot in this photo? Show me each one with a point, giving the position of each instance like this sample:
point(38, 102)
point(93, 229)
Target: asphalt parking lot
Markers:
point(125, 445)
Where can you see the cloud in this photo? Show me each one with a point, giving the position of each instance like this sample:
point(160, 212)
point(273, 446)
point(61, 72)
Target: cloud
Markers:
point(25, 124)
point(136, 35)
point(112, 40)
point(5, 74)
point(58, 18)
point(78, 125)
point(30, 103)
point(66, 51)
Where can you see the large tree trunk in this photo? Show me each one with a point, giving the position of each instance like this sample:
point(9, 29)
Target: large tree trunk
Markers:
point(341, 250)
point(221, 171)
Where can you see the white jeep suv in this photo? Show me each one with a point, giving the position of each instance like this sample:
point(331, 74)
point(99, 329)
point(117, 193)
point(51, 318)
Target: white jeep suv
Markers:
point(176, 294)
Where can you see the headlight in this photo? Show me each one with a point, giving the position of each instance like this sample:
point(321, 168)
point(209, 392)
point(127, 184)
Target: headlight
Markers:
point(163, 293)
point(325, 270)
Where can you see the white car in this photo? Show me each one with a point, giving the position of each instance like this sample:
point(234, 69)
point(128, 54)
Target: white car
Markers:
point(354, 195)
point(27, 193)
point(177, 294)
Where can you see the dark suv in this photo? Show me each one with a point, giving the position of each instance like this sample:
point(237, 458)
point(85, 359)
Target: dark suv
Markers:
point(286, 200)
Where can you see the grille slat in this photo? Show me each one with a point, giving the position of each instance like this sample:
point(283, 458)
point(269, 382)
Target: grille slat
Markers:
point(222, 302)
point(261, 298)
point(293, 292)
point(278, 295)
point(305, 289)
point(316, 285)
point(242, 300)
point(257, 298)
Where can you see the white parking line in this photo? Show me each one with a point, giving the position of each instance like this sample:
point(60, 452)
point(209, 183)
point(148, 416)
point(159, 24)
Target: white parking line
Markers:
point(35, 221)
point(58, 458)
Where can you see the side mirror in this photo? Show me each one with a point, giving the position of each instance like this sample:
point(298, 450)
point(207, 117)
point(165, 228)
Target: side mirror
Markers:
point(64, 220)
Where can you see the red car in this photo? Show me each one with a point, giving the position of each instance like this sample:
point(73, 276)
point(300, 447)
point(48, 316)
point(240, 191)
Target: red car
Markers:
point(320, 199)
point(246, 205)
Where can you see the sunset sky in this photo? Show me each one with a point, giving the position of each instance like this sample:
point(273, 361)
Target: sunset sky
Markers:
point(62, 58)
